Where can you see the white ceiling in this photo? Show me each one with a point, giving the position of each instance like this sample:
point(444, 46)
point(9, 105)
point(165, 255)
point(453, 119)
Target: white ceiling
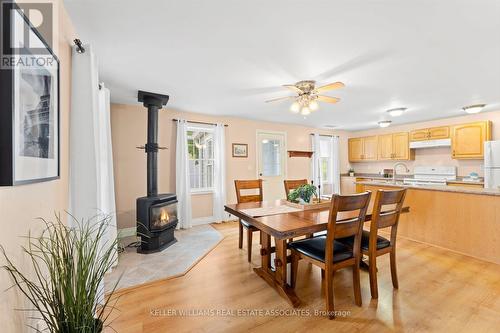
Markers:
point(226, 57)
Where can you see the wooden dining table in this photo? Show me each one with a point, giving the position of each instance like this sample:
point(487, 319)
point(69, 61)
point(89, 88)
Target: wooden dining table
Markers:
point(284, 226)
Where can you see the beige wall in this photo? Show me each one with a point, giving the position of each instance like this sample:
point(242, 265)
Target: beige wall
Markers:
point(432, 156)
point(129, 130)
point(20, 205)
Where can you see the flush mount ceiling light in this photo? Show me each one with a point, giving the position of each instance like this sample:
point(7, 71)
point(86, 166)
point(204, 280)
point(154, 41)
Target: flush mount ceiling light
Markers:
point(396, 112)
point(476, 108)
point(306, 100)
point(384, 123)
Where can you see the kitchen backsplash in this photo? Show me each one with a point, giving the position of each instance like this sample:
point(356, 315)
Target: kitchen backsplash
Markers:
point(425, 157)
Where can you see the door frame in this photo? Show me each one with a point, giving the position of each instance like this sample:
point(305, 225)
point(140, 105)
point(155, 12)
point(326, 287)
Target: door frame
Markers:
point(257, 157)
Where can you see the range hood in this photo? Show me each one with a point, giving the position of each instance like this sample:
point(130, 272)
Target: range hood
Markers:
point(431, 143)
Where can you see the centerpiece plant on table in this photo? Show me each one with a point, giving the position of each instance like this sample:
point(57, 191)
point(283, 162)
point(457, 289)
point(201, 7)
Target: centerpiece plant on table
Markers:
point(302, 194)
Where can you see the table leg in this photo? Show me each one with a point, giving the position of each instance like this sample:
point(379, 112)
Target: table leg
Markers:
point(265, 251)
point(277, 279)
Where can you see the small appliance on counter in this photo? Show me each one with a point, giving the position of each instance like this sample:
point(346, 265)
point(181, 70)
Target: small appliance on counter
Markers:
point(472, 177)
point(387, 173)
point(492, 164)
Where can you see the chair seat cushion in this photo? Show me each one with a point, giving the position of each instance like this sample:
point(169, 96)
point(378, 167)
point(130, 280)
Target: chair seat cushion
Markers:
point(365, 239)
point(247, 225)
point(315, 248)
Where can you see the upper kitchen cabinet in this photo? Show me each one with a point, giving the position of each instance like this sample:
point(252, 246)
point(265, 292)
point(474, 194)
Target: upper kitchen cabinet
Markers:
point(433, 133)
point(468, 140)
point(363, 149)
point(394, 146)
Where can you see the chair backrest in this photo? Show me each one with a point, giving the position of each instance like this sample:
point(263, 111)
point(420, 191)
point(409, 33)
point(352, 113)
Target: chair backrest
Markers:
point(386, 211)
point(350, 210)
point(293, 184)
point(248, 185)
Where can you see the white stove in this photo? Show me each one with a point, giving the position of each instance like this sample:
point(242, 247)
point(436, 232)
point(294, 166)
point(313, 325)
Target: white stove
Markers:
point(437, 175)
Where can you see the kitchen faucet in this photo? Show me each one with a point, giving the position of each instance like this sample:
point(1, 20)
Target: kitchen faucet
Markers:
point(394, 170)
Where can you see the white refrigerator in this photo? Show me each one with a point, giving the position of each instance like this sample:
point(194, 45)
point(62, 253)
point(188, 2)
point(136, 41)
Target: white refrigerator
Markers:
point(492, 164)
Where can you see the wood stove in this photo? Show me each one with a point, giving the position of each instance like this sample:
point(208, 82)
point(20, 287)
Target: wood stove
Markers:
point(156, 213)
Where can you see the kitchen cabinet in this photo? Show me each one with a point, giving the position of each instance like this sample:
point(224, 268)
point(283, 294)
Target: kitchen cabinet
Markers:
point(363, 149)
point(347, 185)
point(370, 150)
point(433, 133)
point(467, 141)
point(356, 149)
point(394, 146)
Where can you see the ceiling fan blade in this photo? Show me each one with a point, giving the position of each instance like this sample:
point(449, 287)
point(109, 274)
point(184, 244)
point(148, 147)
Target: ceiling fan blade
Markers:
point(331, 86)
point(293, 88)
point(328, 99)
point(280, 99)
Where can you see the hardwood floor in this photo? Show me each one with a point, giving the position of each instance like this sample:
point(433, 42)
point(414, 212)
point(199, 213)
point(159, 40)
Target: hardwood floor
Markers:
point(439, 291)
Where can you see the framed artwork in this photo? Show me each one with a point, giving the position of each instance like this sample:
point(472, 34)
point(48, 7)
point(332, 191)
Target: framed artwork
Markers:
point(240, 150)
point(29, 104)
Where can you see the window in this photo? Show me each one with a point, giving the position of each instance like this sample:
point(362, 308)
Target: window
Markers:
point(201, 159)
point(271, 159)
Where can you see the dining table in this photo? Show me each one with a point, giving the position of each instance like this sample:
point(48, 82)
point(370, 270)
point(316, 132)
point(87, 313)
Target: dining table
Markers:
point(278, 220)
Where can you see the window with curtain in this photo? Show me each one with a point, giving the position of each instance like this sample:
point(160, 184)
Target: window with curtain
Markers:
point(200, 143)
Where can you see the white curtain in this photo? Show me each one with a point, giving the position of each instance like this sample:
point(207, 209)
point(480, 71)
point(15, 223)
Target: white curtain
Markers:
point(326, 147)
point(106, 180)
point(316, 160)
point(182, 185)
point(219, 195)
point(336, 164)
point(91, 181)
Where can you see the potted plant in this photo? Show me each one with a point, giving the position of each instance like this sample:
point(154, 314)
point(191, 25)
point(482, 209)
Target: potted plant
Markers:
point(351, 172)
point(67, 271)
point(302, 194)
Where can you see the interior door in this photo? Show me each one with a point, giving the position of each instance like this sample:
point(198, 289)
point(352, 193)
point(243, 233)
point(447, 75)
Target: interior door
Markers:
point(271, 159)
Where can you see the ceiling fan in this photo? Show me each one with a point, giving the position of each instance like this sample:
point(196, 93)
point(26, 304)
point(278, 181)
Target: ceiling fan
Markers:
point(308, 96)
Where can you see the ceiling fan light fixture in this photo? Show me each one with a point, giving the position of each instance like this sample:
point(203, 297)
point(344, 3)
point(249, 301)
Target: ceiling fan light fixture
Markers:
point(313, 105)
point(396, 112)
point(305, 111)
point(295, 107)
point(384, 123)
point(471, 109)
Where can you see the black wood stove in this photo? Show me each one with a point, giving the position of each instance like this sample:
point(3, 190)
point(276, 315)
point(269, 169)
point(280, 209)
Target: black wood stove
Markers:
point(156, 213)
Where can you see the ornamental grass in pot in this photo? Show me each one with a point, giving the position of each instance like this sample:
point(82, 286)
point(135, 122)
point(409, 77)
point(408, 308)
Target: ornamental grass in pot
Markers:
point(67, 275)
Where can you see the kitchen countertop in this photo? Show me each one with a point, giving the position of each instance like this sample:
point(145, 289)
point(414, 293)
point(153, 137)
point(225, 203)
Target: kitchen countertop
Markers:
point(377, 176)
point(442, 188)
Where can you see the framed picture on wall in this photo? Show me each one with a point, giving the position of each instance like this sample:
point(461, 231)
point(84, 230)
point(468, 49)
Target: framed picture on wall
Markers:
point(29, 103)
point(240, 150)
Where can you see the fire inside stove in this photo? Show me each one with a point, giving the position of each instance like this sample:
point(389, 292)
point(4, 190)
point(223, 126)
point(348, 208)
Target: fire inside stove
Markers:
point(163, 215)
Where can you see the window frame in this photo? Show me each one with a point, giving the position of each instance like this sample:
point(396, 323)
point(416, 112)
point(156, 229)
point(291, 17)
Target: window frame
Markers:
point(206, 129)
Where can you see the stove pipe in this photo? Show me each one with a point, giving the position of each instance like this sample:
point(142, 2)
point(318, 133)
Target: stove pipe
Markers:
point(153, 102)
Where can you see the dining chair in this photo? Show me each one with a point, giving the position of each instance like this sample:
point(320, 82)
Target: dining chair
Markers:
point(293, 184)
point(329, 254)
point(386, 211)
point(247, 185)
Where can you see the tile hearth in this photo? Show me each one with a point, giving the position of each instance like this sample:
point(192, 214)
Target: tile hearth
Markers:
point(192, 244)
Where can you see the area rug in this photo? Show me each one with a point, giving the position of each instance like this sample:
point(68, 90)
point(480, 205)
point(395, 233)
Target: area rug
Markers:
point(136, 269)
